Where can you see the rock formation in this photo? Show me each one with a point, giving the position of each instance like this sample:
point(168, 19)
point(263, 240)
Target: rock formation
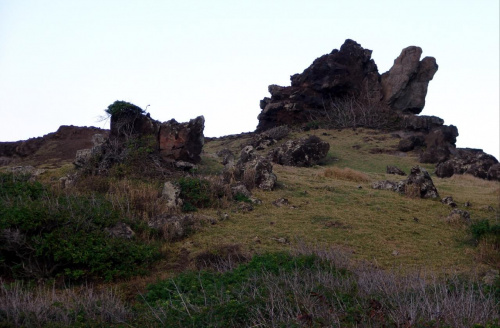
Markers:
point(469, 161)
point(302, 152)
point(349, 72)
point(404, 86)
point(133, 131)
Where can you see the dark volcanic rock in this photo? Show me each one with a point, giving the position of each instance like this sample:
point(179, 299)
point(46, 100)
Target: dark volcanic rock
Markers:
point(420, 182)
point(302, 152)
point(469, 161)
point(182, 141)
point(494, 172)
point(349, 71)
point(440, 143)
point(405, 85)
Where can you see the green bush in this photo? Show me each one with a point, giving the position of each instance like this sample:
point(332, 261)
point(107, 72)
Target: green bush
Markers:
point(483, 228)
point(195, 193)
point(120, 107)
point(44, 234)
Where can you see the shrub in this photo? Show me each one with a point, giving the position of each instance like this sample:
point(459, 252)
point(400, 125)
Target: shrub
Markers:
point(120, 107)
point(44, 234)
point(317, 288)
point(195, 193)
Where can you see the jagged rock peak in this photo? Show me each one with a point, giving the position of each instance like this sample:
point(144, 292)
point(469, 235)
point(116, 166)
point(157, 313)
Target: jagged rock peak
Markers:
point(349, 72)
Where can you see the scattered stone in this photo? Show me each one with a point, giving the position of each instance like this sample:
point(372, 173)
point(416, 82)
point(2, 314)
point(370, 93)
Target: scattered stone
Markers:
point(302, 152)
point(458, 215)
point(467, 204)
point(281, 240)
point(395, 253)
point(241, 190)
point(256, 240)
point(255, 200)
point(415, 219)
point(245, 207)
point(394, 170)
point(120, 230)
point(281, 202)
point(449, 201)
point(359, 187)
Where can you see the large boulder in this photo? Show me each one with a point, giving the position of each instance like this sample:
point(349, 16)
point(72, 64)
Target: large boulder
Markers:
point(440, 144)
point(405, 85)
point(469, 161)
point(252, 170)
point(306, 151)
point(182, 141)
point(419, 184)
point(349, 71)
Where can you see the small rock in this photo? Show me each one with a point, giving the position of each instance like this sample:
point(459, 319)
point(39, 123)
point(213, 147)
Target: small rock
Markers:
point(281, 202)
point(394, 170)
point(467, 204)
point(281, 240)
point(256, 240)
point(415, 219)
point(449, 201)
point(245, 207)
point(395, 253)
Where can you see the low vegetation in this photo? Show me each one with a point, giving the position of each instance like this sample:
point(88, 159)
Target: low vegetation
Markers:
point(379, 259)
point(45, 234)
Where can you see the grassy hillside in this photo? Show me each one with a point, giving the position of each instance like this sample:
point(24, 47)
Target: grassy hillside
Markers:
point(331, 206)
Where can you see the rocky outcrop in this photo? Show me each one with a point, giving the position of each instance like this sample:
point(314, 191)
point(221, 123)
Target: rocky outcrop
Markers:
point(302, 152)
point(349, 73)
point(469, 161)
point(252, 170)
point(345, 72)
point(418, 184)
point(182, 141)
point(404, 86)
point(137, 138)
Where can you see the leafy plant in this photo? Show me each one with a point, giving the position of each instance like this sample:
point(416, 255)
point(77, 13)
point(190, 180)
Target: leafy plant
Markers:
point(120, 107)
point(195, 193)
point(45, 234)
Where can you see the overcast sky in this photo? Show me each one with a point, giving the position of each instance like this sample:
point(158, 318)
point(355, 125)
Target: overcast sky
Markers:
point(62, 62)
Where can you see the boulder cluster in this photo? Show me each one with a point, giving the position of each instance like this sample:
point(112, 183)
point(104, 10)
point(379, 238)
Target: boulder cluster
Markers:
point(344, 89)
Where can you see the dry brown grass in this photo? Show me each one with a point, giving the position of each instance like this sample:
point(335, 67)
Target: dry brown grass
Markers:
point(136, 197)
point(345, 174)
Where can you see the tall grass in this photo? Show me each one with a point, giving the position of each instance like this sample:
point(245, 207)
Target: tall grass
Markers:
point(21, 306)
point(319, 288)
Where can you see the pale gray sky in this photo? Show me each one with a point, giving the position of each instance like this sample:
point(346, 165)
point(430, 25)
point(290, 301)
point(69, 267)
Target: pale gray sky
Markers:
point(63, 62)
